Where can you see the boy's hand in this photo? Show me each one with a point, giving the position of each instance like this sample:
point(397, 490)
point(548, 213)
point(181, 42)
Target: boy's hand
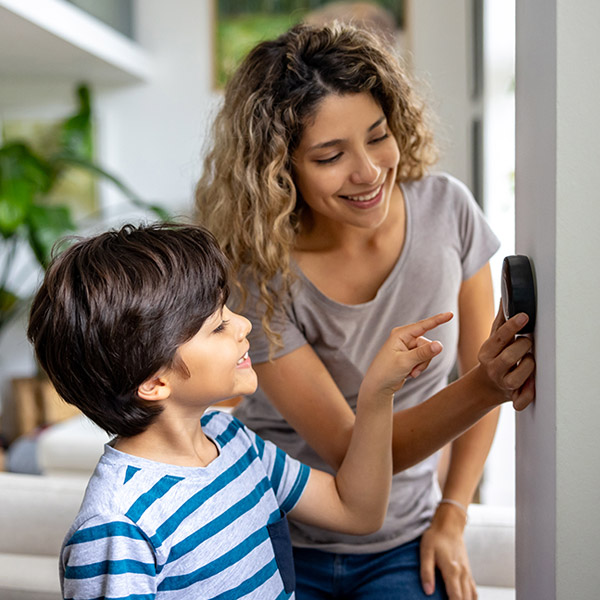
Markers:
point(406, 353)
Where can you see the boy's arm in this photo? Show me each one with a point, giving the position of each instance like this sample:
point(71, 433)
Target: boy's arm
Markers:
point(355, 499)
point(108, 558)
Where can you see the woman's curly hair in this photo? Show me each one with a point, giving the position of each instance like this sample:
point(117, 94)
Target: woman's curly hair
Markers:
point(246, 195)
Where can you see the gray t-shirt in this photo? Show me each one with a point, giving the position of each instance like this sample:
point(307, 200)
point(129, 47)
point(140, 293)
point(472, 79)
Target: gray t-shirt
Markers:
point(447, 241)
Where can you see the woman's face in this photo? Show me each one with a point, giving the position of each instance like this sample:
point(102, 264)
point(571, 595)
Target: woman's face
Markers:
point(345, 165)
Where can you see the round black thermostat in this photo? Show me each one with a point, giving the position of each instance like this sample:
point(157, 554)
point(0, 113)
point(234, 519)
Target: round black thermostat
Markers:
point(518, 289)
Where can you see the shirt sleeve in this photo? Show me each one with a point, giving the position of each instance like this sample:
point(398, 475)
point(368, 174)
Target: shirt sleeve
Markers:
point(287, 475)
point(478, 242)
point(108, 557)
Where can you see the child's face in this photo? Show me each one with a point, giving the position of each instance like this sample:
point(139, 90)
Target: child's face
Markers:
point(217, 360)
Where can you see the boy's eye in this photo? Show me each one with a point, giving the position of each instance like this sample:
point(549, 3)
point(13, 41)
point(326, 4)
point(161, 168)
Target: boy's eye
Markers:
point(221, 327)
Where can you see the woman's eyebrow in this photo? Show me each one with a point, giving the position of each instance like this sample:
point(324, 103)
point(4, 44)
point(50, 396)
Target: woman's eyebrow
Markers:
point(377, 123)
point(337, 141)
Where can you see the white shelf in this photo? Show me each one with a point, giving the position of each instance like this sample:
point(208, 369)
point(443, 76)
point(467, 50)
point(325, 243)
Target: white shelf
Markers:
point(54, 40)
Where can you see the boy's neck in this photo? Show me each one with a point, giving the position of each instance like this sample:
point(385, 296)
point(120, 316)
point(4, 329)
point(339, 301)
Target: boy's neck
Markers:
point(173, 442)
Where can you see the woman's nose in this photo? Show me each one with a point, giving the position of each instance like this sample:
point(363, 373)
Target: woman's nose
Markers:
point(365, 170)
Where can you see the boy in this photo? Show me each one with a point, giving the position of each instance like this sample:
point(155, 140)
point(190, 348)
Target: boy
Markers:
point(132, 328)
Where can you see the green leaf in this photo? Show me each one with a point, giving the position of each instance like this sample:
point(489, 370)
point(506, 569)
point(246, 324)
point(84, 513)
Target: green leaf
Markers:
point(8, 300)
point(9, 305)
point(23, 175)
point(76, 135)
point(46, 225)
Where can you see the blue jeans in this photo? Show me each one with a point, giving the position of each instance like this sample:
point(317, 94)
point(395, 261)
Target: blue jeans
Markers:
point(391, 575)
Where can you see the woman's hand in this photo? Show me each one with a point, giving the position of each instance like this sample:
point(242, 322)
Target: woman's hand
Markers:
point(507, 362)
point(442, 546)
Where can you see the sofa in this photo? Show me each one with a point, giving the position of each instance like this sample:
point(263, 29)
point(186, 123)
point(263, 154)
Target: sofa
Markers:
point(36, 511)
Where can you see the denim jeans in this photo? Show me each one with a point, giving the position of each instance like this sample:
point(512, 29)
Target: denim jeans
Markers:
point(390, 575)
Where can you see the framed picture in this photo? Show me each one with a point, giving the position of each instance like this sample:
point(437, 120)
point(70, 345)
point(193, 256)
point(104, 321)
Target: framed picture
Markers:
point(241, 24)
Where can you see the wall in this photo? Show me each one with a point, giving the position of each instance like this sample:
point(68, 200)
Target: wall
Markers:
point(438, 38)
point(154, 133)
point(557, 182)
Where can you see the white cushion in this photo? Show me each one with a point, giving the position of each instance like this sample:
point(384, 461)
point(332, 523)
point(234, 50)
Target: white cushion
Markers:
point(495, 593)
point(71, 447)
point(29, 577)
point(36, 512)
point(490, 541)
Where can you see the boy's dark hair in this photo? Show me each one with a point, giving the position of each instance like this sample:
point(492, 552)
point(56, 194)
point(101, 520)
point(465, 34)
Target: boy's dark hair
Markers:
point(113, 310)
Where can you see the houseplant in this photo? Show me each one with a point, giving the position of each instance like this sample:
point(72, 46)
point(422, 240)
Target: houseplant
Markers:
point(30, 221)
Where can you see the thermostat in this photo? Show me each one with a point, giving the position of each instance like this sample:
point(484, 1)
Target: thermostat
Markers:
point(518, 289)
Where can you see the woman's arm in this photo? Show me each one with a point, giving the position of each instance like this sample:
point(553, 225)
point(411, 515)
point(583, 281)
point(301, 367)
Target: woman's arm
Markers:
point(317, 410)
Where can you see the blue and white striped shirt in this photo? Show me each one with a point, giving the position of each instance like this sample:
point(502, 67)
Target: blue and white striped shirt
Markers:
point(151, 530)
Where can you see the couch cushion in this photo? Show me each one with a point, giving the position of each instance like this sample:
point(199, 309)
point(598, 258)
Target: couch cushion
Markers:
point(490, 541)
point(36, 511)
point(72, 447)
point(29, 577)
point(495, 593)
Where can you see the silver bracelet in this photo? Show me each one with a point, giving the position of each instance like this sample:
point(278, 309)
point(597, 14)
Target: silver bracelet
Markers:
point(458, 505)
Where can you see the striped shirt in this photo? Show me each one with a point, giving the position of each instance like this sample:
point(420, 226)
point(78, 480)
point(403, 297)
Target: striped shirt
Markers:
point(152, 530)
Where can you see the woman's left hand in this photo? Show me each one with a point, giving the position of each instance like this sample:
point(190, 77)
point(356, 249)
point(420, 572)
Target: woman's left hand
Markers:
point(442, 546)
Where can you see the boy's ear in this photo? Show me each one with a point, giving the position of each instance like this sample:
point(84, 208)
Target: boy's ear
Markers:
point(154, 388)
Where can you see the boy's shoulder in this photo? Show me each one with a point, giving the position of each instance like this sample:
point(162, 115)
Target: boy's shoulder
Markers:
point(222, 426)
point(215, 419)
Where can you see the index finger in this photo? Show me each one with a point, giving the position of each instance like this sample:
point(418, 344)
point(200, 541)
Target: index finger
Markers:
point(424, 325)
point(418, 329)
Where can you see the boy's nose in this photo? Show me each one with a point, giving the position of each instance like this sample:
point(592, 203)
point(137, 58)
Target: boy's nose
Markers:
point(244, 328)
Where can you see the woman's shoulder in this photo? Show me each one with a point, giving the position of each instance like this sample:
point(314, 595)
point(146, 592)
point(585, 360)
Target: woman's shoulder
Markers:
point(440, 196)
point(439, 186)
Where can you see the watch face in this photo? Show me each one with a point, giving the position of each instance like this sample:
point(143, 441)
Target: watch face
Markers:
point(518, 289)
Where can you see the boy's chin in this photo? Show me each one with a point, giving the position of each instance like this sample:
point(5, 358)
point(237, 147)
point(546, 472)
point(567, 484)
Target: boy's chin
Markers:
point(251, 389)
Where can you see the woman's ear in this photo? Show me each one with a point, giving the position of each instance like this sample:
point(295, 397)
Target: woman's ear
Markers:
point(154, 388)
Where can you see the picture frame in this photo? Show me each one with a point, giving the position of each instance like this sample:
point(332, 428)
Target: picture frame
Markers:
point(241, 24)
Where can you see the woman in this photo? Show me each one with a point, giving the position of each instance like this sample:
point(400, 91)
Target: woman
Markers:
point(317, 189)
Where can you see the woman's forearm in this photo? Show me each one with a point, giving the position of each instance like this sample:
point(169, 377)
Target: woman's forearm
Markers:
point(422, 430)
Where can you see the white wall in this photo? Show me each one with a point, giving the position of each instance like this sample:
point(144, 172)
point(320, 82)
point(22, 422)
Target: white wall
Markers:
point(438, 38)
point(153, 133)
point(557, 182)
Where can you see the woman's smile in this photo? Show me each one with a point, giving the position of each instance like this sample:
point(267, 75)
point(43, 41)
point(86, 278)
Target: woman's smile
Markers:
point(366, 199)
